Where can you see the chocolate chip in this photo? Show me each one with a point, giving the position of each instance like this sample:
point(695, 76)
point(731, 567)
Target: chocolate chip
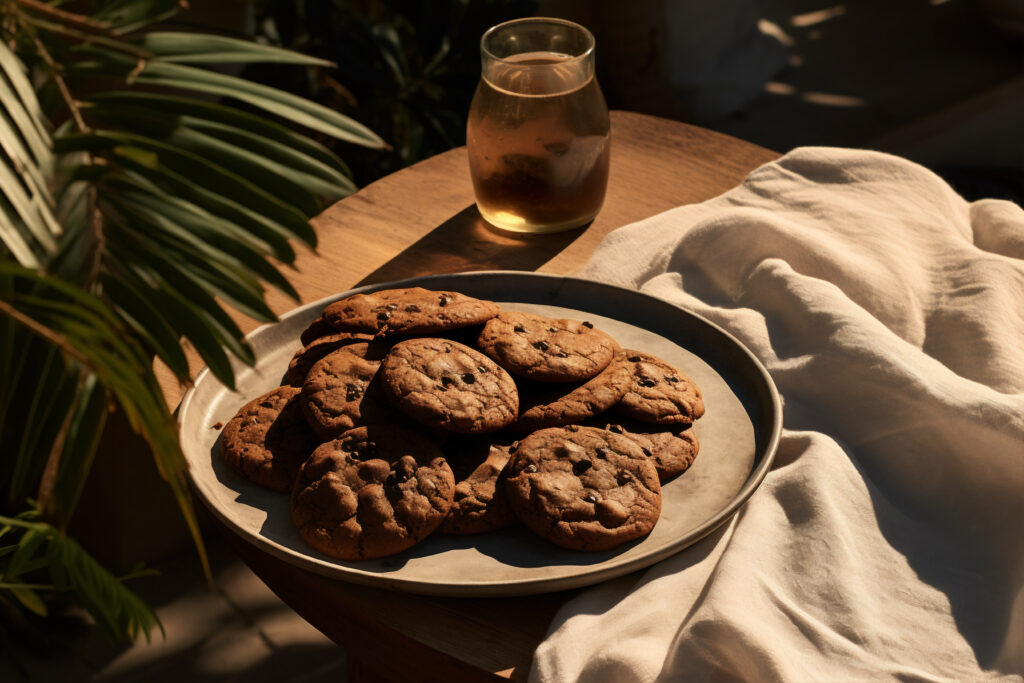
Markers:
point(383, 315)
point(551, 329)
point(352, 391)
point(634, 359)
point(447, 349)
point(443, 300)
point(412, 308)
point(562, 354)
point(581, 466)
point(572, 428)
point(446, 380)
point(616, 429)
point(468, 377)
point(671, 379)
point(392, 307)
point(645, 382)
point(267, 404)
point(519, 328)
point(540, 345)
point(530, 469)
point(646, 451)
point(603, 453)
point(588, 325)
point(481, 368)
point(590, 498)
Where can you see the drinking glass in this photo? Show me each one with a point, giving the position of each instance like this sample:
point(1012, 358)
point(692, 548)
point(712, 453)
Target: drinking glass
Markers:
point(538, 128)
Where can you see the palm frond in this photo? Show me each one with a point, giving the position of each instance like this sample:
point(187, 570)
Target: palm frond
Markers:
point(27, 227)
point(88, 333)
point(173, 46)
point(146, 215)
point(158, 73)
point(115, 608)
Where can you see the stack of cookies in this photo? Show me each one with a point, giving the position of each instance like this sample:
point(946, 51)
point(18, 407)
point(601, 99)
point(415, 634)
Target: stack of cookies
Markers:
point(410, 411)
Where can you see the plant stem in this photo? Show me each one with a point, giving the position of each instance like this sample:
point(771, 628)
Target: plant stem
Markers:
point(63, 15)
point(99, 38)
point(45, 332)
point(49, 478)
point(76, 113)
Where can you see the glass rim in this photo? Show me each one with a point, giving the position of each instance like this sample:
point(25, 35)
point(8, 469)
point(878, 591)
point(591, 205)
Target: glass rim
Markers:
point(538, 20)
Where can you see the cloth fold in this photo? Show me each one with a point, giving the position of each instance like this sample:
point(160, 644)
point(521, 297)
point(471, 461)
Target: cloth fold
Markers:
point(886, 543)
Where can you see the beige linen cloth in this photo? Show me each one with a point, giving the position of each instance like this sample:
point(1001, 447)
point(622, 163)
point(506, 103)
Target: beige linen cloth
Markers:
point(887, 542)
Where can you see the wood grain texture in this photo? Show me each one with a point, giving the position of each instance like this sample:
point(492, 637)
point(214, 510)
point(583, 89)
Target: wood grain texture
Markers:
point(423, 220)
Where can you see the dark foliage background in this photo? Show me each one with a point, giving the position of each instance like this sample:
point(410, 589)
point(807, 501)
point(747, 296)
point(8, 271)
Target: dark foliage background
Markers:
point(407, 69)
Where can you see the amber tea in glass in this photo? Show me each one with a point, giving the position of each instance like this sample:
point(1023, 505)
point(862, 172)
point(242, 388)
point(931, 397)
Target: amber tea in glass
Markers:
point(538, 127)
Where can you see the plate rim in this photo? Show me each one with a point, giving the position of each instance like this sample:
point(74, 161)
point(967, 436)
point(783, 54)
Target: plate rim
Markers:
point(609, 569)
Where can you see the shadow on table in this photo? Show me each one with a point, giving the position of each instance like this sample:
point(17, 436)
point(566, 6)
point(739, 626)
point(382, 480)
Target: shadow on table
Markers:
point(467, 242)
point(514, 547)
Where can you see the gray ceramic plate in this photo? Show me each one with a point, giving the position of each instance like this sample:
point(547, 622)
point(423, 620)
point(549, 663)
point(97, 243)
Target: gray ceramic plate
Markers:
point(738, 437)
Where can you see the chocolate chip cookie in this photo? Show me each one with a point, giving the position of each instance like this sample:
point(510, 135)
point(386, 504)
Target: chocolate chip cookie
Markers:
point(373, 492)
point(546, 349)
point(480, 502)
point(340, 391)
point(583, 488)
point(672, 448)
point(414, 311)
point(316, 329)
point(547, 404)
point(659, 393)
point(444, 384)
point(267, 440)
point(307, 356)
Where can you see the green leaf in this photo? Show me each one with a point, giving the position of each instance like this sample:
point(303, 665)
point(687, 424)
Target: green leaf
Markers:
point(81, 325)
point(140, 152)
point(183, 315)
point(28, 546)
point(22, 161)
point(27, 224)
point(132, 247)
point(40, 400)
point(390, 49)
point(230, 117)
point(255, 168)
point(116, 609)
point(83, 439)
point(31, 209)
point(273, 164)
point(30, 600)
point(286, 105)
point(228, 239)
point(172, 46)
point(151, 327)
point(22, 106)
point(270, 235)
point(130, 15)
point(15, 241)
point(211, 269)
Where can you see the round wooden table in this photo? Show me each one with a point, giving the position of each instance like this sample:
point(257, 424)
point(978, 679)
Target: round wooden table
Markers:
point(423, 220)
